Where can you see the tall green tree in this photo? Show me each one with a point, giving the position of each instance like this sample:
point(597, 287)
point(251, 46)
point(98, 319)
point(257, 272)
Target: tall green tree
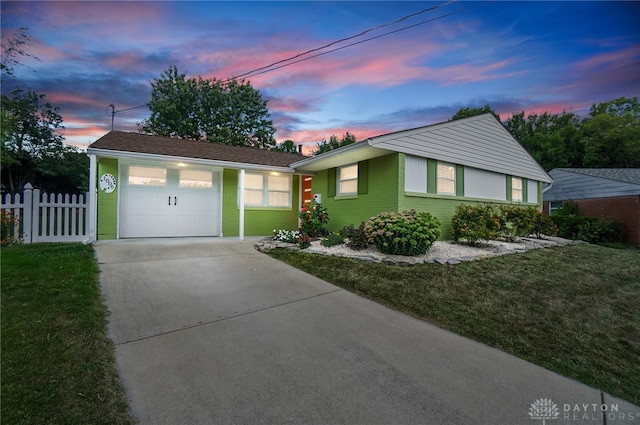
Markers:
point(552, 139)
point(32, 147)
point(471, 112)
point(288, 146)
point(334, 143)
point(611, 134)
point(229, 112)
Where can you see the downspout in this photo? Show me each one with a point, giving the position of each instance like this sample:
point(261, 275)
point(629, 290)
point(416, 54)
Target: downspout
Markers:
point(241, 201)
point(93, 211)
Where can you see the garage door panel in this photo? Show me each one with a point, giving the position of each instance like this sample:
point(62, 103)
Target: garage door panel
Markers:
point(187, 205)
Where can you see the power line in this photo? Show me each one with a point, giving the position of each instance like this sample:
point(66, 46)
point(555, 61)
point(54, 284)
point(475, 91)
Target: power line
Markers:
point(282, 64)
point(359, 42)
point(404, 18)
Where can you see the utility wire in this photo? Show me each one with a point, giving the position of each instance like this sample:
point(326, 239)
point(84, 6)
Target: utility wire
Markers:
point(252, 74)
point(282, 64)
point(404, 18)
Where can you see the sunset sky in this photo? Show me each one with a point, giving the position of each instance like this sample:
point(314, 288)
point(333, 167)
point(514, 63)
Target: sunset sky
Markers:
point(513, 56)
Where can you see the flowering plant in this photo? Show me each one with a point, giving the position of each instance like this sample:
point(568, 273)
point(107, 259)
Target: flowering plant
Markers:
point(290, 236)
point(313, 219)
point(406, 233)
point(9, 224)
point(304, 241)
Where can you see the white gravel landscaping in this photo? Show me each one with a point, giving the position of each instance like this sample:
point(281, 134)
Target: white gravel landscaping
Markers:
point(442, 252)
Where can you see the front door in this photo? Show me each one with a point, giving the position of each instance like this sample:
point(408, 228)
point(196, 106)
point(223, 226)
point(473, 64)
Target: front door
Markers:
point(161, 201)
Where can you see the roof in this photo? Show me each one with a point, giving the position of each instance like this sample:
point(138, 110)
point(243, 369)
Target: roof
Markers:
point(480, 141)
point(142, 146)
point(589, 183)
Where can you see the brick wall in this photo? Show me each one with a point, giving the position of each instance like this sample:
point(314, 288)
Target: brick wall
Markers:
point(623, 208)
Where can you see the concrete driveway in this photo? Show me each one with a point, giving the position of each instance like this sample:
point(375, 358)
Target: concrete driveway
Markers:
point(210, 331)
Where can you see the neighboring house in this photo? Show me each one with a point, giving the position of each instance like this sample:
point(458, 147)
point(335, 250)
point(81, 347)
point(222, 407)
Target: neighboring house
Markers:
point(433, 168)
point(151, 186)
point(599, 192)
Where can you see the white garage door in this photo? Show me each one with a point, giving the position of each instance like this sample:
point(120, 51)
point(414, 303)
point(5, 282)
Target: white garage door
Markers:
point(159, 201)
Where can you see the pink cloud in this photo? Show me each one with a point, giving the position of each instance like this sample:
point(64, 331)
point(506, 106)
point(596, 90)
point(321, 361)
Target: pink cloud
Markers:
point(608, 59)
point(313, 136)
point(60, 98)
point(72, 13)
point(366, 67)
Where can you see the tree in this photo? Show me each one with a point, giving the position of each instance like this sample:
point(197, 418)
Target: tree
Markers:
point(471, 112)
point(288, 146)
point(229, 112)
point(12, 48)
point(552, 139)
point(334, 143)
point(32, 148)
point(611, 134)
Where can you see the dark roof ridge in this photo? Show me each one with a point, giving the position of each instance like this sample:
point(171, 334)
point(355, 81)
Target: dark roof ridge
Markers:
point(597, 174)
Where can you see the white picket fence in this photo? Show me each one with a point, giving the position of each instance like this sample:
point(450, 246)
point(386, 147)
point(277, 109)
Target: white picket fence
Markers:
point(42, 217)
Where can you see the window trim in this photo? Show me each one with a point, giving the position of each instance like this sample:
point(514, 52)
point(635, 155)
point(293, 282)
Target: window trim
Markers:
point(339, 180)
point(265, 190)
point(438, 178)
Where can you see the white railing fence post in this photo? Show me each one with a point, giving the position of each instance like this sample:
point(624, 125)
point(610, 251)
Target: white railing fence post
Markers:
point(35, 216)
point(27, 216)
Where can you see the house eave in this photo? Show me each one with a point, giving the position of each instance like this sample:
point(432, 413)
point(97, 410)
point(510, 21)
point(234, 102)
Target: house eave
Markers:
point(350, 154)
point(108, 153)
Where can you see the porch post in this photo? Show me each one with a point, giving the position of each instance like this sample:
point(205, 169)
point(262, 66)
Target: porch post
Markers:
point(241, 202)
point(92, 212)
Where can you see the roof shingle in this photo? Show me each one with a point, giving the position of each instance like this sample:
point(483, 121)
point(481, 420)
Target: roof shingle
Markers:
point(167, 146)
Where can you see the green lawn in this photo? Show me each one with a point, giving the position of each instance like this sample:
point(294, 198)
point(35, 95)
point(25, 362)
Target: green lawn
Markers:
point(573, 309)
point(57, 360)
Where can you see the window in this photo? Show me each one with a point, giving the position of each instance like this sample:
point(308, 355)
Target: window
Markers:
point(195, 179)
point(554, 206)
point(348, 180)
point(446, 179)
point(268, 190)
point(415, 174)
point(516, 189)
point(147, 176)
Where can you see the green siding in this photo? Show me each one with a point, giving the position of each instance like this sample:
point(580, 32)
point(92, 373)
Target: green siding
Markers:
point(363, 177)
point(257, 221)
point(382, 191)
point(432, 176)
point(108, 202)
point(459, 180)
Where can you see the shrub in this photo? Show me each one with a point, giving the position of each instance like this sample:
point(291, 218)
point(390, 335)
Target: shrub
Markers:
point(600, 230)
point(304, 241)
point(543, 225)
point(332, 239)
point(313, 220)
point(356, 237)
point(588, 229)
point(405, 233)
point(517, 221)
point(475, 223)
point(568, 208)
point(8, 225)
point(569, 225)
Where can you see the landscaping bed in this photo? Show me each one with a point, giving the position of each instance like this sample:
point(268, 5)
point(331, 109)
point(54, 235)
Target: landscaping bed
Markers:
point(441, 252)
